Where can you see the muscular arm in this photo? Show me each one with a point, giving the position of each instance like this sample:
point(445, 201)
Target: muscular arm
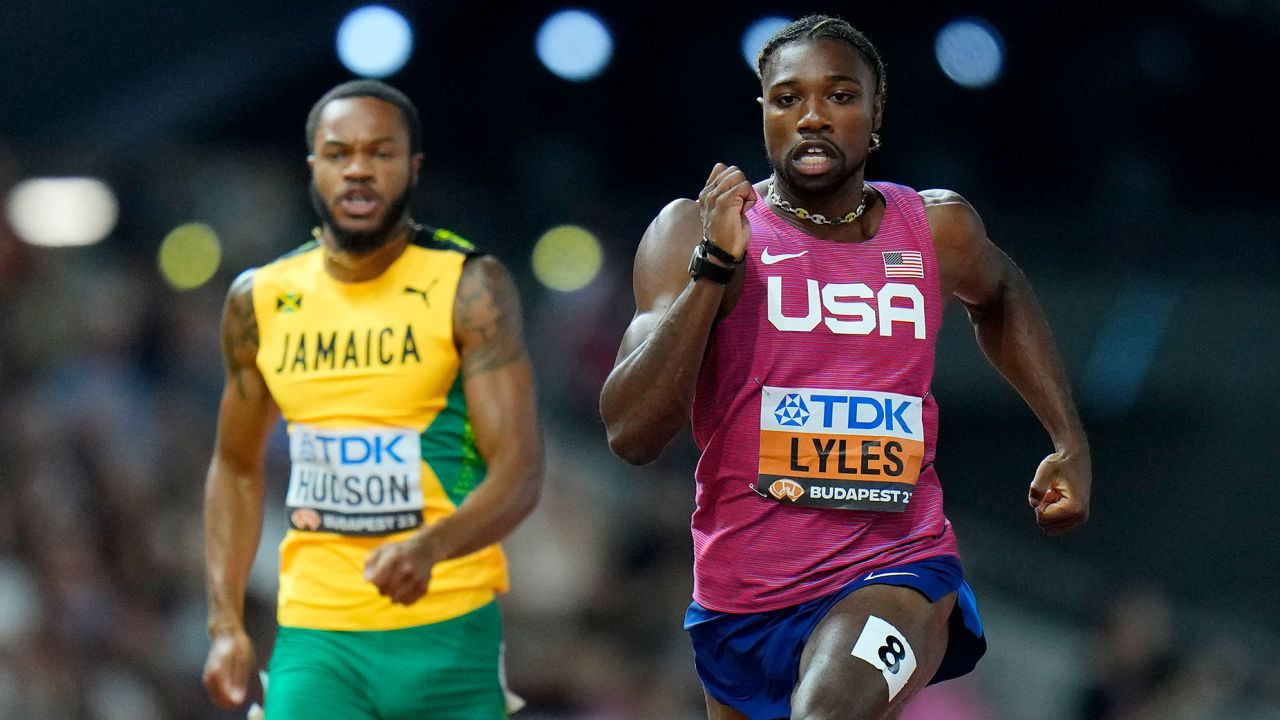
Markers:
point(1012, 332)
point(233, 495)
point(498, 385)
point(647, 397)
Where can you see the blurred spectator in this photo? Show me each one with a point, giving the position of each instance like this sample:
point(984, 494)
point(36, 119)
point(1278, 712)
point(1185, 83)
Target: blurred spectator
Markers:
point(1147, 669)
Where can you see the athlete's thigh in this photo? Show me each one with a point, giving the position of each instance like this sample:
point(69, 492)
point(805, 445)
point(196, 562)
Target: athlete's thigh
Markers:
point(896, 625)
point(312, 674)
point(717, 710)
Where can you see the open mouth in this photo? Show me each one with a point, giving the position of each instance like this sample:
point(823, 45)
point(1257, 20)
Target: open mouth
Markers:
point(358, 202)
point(814, 157)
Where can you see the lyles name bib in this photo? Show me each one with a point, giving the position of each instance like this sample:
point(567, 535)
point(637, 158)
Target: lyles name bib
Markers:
point(843, 449)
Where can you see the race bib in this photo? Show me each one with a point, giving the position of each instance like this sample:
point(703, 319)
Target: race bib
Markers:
point(844, 449)
point(354, 482)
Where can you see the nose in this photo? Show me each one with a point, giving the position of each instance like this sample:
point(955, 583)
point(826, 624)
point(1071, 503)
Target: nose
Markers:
point(812, 118)
point(358, 167)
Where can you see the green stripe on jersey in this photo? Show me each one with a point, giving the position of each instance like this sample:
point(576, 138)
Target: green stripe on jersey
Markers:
point(449, 447)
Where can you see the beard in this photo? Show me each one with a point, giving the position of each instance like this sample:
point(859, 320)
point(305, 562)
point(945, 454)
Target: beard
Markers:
point(811, 188)
point(359, 242)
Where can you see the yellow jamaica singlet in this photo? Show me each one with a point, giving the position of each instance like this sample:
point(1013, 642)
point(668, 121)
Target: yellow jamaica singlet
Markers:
point(367, 376)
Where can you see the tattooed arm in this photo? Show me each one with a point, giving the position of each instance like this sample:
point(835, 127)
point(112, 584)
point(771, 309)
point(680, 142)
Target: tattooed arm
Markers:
point(233, 497)
point(498, 384)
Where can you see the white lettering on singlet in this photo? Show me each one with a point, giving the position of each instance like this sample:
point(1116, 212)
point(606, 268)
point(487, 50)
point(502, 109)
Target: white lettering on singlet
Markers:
point(846, 313)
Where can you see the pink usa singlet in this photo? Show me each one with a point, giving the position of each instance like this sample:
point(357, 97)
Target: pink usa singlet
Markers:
point(814, 416)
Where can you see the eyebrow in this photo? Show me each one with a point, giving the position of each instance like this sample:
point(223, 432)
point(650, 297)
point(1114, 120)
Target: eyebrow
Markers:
point(830, 78)
point(375, 141)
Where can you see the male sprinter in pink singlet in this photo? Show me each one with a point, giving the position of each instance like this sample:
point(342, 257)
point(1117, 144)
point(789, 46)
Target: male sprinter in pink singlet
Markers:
point(800, 338)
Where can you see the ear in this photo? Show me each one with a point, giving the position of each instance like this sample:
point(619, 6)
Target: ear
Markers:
point(415, 168)
point(877, 111)
point(311, 161)
point(760, 100)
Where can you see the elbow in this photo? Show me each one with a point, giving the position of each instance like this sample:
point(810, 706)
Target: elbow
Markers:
point(632, 448)
point(528, 492)
point(638, 435)
point(233, 475)
point(532, 491)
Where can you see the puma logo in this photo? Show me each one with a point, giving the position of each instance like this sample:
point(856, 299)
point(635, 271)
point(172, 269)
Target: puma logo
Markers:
point(409, 289)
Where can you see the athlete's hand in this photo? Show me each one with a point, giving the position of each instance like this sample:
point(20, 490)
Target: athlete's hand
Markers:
point(723, 203)
point(226, 670)
point(1059, 494)
point(401, 570)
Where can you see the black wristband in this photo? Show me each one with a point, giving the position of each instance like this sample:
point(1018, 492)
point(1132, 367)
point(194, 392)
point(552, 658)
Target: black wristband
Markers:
point(720, 253)
point(701, 267)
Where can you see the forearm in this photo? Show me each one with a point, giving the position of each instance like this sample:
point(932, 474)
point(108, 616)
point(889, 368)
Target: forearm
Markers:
point(1015, 337)
point(647, 397)
point(506, 497)
point(232, 528)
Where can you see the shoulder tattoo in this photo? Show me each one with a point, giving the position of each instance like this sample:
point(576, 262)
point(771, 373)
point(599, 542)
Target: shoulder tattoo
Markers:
point(240, 330)
point(487, 317)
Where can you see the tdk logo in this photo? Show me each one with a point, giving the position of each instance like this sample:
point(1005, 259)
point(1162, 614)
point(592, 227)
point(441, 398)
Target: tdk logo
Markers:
point(863, 413)
point(839, 412)
point(792, 411)
point(351, 450)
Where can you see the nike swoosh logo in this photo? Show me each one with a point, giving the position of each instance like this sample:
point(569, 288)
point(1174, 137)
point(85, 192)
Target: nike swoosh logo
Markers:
point(873, 576)
point(768, 259)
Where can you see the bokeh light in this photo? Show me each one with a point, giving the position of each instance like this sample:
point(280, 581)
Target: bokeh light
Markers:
point(374, 41)
point(62, 211)
point(970, 52)
point(567, 258)
point(757, 34)
point(574, 44)
point(189, 256)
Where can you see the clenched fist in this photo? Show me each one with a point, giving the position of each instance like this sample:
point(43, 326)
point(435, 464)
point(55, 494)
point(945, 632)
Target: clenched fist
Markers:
point(723, 204)
point(1059, 494)
point(401, 570)
point(226, 669)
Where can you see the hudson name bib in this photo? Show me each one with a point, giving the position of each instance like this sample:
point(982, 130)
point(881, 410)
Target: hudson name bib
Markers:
point(354, 482)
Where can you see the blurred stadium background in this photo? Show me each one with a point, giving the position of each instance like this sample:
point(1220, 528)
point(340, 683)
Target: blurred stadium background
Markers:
point(1122, 153)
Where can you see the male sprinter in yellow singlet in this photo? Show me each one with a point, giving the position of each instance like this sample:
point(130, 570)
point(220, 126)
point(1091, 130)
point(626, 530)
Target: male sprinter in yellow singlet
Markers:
point(394, 352)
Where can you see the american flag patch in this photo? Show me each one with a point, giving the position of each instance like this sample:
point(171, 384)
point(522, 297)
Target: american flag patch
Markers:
point(904, 264)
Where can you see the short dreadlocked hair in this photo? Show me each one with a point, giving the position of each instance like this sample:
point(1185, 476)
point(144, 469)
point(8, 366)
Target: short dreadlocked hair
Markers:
point(813, 27)
point(374, 89)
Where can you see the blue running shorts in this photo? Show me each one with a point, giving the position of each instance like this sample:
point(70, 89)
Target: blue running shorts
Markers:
point(751, 662)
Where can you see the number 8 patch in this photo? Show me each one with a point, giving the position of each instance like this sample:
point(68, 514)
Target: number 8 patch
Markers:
point(887, 650)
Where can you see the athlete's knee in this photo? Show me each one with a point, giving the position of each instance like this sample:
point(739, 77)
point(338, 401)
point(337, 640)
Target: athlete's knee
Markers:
point(844, 691)
point(840, 706)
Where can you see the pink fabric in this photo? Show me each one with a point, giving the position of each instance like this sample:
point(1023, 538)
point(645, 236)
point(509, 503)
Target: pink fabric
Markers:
point(752, 554)
point(959, 699)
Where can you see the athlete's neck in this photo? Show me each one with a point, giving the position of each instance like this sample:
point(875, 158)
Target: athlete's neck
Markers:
point(347, 266)
point(830, 205)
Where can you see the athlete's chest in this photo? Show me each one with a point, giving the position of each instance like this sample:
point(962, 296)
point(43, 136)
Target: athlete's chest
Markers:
point(798, 290)
point(390, 345)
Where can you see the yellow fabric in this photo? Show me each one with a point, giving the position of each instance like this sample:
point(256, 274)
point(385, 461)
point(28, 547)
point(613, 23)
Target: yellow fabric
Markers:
point(376, 354)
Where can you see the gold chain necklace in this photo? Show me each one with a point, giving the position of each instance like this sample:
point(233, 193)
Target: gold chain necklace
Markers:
point(816, 218)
